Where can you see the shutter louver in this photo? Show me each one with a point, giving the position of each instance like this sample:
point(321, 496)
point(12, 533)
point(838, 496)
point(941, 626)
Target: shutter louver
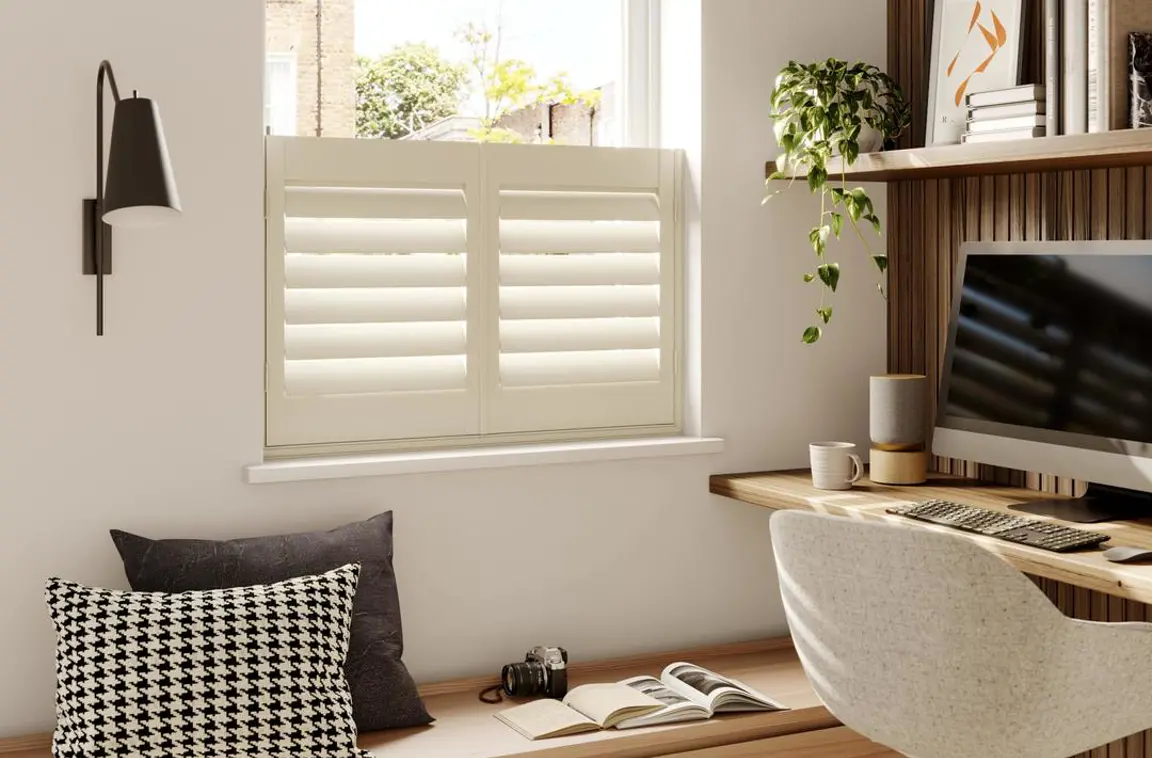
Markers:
point(375, 266)
point(585, 289)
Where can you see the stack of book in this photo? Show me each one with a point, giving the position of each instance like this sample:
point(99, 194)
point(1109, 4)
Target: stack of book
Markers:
point(1095, 66)
point(1006, 114)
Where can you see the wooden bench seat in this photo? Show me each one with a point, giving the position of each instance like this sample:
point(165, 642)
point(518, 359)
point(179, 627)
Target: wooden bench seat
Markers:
point(466, 728)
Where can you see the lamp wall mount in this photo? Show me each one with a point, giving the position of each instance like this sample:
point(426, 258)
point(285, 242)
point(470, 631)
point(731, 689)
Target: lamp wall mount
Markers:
point(92, 243)
point(138, 188)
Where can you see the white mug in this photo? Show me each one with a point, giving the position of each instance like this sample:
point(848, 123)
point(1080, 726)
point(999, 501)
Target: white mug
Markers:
point(835, 465)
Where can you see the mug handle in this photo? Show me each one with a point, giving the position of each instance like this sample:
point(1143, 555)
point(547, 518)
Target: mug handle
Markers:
point(858, 468)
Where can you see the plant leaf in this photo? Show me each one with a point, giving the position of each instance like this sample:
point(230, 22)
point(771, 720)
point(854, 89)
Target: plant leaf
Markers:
point(825, 313)
point(818, 238)
point(881, 262)
point(837, 223)
point(816, 178)
point(811, 335)
point(809, 278)
point(853, 206)
point(829, 273)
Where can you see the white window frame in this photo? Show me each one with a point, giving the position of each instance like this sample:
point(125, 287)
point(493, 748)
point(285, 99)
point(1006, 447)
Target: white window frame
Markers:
point(269, 106)
point(640, 91)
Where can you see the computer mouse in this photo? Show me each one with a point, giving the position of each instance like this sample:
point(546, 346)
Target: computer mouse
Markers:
point(1128, 554)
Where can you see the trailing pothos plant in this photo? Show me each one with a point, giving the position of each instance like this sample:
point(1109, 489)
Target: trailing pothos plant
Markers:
point(827, 109)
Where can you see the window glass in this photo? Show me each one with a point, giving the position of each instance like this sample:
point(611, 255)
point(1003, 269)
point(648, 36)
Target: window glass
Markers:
point(280, 94)
point(526, 71)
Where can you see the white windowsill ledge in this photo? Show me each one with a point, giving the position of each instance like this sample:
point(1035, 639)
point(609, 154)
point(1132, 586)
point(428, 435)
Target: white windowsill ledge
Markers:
point(505, 456)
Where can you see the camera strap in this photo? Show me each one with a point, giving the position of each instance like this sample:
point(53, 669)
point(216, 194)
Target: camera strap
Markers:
point(496, 696)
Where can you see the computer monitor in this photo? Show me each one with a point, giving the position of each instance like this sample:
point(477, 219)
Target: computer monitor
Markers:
point(1049, 369)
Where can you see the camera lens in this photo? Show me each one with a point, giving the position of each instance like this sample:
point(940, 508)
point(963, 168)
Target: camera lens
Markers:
point(524, 679)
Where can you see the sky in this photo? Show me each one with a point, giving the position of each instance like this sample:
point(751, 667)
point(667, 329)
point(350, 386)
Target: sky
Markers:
point(580, 37)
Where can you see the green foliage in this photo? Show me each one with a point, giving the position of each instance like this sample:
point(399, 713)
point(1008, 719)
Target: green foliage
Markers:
point(829, 274)
point(819, 110)
point(405, 90)
point(509, 84)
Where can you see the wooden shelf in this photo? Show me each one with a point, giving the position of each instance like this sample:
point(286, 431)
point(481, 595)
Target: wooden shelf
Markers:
point(1129, 147)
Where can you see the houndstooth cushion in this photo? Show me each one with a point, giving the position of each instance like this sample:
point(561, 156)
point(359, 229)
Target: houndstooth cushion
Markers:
point(253, 671)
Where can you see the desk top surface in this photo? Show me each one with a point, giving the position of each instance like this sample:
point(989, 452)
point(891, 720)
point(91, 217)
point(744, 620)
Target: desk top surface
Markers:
point(794, 490)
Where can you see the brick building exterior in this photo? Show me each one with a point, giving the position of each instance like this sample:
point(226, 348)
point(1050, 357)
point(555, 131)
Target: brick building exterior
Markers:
point(317, 38)
point(557, 123)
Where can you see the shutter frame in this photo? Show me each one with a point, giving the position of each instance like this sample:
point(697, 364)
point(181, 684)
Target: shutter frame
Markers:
point(324, 178)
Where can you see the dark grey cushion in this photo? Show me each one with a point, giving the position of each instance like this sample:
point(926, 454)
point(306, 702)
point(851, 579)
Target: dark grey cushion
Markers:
point(383, 693)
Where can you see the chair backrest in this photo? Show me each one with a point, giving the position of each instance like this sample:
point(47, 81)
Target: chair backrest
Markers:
point(919, 640)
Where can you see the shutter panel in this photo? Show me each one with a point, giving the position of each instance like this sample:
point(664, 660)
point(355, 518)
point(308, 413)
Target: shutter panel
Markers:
point(371, 254)
point(584, 284)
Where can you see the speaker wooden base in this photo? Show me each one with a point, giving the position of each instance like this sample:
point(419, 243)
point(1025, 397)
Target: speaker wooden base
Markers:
point(888, 467)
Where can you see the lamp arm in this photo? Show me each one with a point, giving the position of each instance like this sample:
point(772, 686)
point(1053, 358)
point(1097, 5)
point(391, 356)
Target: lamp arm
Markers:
point(104, 70)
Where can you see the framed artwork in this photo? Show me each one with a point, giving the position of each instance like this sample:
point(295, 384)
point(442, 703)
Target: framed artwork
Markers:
point(976, 46)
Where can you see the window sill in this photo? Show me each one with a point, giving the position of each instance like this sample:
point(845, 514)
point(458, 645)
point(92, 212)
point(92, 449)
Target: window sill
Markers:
point(423, 462)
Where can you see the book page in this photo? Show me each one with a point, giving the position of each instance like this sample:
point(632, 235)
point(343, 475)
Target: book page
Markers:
point(717, 692)
point(677, 707)
point(608, 704)
point(546, 718)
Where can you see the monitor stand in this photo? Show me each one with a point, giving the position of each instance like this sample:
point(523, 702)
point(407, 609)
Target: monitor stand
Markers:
point(1100, 502)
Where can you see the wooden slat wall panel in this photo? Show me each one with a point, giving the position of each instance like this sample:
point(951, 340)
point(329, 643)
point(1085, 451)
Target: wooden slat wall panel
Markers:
point(928, 221)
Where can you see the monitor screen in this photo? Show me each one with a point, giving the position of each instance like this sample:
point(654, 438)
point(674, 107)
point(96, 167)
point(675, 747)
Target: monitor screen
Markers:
point(1052, 348)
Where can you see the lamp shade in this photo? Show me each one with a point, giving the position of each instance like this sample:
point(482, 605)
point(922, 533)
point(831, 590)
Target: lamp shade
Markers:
point(140, 190)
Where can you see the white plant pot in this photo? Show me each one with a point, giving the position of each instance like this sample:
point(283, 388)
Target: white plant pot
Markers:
point(870, 140)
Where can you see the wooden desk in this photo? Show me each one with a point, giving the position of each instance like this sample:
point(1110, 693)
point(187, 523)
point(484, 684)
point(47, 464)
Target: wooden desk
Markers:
point(1085, 569)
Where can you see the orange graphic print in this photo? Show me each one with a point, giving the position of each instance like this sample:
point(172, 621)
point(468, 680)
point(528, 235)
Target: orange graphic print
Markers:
point(995, 38)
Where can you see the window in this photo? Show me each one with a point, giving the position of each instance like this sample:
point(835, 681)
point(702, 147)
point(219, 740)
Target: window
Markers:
point(432, 285)
point(455, 292)
point(280, 94)
point(527, 71)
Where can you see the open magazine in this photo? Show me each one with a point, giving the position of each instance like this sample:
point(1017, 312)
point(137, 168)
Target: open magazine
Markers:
point(684, 692)
point(691, 692)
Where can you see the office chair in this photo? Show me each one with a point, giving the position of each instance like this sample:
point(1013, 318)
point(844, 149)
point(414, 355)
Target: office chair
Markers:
point(932, 646)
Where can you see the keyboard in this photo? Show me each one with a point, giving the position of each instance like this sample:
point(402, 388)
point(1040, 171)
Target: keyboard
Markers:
point(1019, 529)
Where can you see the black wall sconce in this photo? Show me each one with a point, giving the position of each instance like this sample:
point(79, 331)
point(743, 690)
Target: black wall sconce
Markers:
point(140, 189)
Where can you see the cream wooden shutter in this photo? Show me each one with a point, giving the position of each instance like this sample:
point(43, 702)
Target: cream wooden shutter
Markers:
point(372, 251)
point(584, 286)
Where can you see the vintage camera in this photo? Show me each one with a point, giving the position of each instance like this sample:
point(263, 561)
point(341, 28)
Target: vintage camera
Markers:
point(543, 672)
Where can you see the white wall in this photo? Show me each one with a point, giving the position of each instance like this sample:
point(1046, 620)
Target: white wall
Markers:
point(147, 428)
point(763, 389)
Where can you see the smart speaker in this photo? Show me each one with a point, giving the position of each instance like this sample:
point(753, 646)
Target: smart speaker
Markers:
point(898, 406)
